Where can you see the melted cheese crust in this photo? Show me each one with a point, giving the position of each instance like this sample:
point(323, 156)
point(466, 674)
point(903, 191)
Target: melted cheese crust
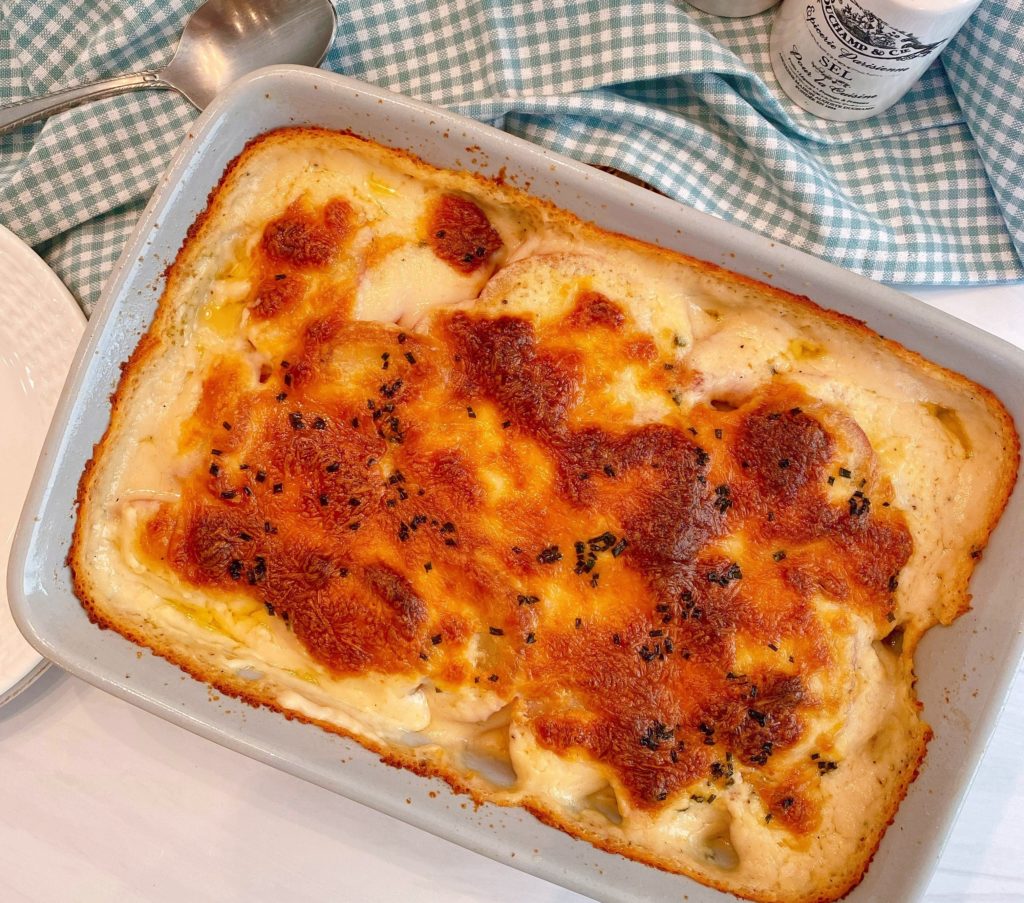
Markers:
point(573, 522)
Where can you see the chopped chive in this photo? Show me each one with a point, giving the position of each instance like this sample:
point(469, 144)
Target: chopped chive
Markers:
point(550, 555)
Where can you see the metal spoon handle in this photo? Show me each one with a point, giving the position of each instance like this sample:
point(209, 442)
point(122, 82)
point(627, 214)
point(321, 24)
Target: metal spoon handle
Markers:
point(18, 114)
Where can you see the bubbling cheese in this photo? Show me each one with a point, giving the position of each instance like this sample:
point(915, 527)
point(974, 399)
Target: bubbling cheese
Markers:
point(573, 522)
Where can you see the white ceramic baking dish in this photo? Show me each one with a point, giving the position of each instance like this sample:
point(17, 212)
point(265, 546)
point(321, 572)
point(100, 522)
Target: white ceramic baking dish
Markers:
point(964, 670)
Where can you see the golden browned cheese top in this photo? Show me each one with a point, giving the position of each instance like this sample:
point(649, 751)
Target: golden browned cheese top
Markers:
point(645, 590)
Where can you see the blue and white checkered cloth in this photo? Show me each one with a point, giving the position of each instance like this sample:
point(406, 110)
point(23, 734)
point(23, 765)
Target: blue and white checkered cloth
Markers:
point(930, 192)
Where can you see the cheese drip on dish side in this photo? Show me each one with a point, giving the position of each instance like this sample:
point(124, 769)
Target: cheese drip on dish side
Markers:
point(572, 522)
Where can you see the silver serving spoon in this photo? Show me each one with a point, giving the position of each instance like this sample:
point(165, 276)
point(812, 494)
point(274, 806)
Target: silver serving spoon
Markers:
point(222, 41)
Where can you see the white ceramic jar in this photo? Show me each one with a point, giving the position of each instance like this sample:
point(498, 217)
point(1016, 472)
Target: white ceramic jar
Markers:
point(733, 9)
point(850, 59)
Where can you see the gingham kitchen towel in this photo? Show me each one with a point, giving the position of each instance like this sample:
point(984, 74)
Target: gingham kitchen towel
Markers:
point(930, 192)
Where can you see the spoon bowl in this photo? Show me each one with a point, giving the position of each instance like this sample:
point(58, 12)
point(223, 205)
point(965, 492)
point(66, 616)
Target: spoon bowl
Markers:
point(222, 41)
point(226, 39)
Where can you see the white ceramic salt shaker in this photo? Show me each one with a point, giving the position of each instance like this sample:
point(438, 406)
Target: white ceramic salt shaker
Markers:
point(733, 9)
point(850, 59)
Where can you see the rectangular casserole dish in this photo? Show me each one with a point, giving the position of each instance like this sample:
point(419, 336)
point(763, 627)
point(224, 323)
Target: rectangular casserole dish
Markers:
point(964, 670)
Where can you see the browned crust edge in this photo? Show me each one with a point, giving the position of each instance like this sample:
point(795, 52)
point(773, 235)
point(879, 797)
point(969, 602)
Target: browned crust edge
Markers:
point(151, 343)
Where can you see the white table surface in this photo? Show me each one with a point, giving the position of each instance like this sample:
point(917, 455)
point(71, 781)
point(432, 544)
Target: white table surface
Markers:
point(100, 801)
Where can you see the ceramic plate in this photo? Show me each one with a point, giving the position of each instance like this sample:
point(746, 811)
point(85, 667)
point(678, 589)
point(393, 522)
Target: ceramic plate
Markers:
point(40, 325)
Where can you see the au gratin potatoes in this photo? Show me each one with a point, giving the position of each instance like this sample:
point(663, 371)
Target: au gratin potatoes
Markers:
point(574, 522)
